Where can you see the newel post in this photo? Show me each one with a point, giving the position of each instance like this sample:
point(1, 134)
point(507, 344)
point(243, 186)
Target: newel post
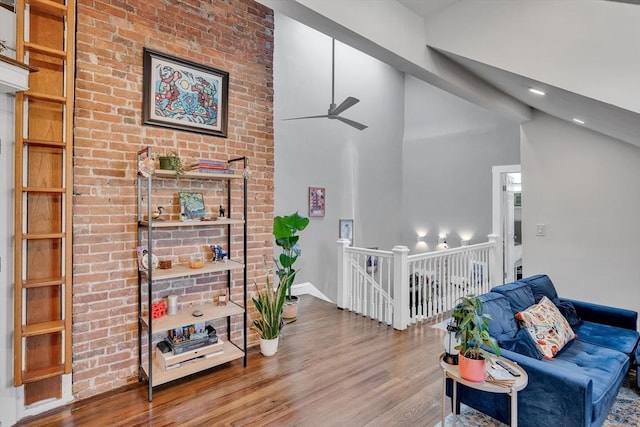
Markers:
point(496, 272)
point(344, 276)
point(400, 287)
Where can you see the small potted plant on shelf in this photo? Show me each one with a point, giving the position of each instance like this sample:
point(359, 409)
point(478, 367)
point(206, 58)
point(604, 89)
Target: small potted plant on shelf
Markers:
point(473, 334)
point(171, 161)
point(269, 304)
point(285, 229)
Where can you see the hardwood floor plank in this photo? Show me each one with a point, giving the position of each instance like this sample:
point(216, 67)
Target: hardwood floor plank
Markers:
point(332, 368)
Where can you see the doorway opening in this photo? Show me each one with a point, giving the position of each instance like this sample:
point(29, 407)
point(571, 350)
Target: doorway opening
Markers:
point(507, 218)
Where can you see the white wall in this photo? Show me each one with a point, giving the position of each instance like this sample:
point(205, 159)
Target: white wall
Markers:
point(360, 170)
point(585, 188)
point(587, 42)
point(450, 146)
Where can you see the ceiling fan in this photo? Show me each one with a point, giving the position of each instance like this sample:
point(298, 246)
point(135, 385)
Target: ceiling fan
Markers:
point(335, 110)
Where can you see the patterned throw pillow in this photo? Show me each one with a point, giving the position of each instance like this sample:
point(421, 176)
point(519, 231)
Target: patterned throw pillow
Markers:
point(547, 326)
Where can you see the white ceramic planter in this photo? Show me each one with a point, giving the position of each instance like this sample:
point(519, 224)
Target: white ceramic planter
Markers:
point(268, 347)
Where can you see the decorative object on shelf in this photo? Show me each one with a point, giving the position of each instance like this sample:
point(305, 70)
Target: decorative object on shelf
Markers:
point(450, 342)
point(316, 201)
point(221, 212)
point(146, 167)
point(181, 94)
point(345, 230)
point(218, 253)
point(222, 298)
point(473, 333)
point(285, 229)
point(155, 214)
point(158, 309)
point(172, 162)
point(173, 305)
point(164, 264)
point(269, 303)
point(196, 261)
point(191, 206)
point(246, 172)
point(143, 259)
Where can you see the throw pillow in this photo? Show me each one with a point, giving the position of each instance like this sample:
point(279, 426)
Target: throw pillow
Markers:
point(569, 312)
point(522, 343)
point(547, 326)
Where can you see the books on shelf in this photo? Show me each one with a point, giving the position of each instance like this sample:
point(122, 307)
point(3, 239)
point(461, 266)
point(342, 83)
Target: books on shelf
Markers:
point(170, 360)
point(210, 166)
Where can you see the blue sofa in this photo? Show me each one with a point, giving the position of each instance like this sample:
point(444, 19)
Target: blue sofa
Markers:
point(579, 386)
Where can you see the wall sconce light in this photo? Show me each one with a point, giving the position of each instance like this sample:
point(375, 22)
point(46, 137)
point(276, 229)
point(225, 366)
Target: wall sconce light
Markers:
point(464, 242)
point(420, 239)
point(442, 243)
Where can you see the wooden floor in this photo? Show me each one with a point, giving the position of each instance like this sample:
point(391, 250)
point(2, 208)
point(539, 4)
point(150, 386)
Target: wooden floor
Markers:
point(333, 368)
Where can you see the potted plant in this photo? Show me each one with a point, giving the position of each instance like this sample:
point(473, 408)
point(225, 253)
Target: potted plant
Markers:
point(269, 304)
point(473, 334)
point(171, 161)
point(285, 229)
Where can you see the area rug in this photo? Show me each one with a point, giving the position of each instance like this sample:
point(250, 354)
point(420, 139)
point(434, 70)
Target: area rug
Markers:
point(624, 413)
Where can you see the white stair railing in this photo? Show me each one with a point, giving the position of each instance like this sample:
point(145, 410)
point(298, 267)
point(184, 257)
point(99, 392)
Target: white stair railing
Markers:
point(400, 289)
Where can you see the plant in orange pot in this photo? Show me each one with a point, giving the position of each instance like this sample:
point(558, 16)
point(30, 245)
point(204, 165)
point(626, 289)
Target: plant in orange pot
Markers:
point(473, 335)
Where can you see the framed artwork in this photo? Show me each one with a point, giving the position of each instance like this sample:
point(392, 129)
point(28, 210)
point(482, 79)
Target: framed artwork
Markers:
point(8, 4)
point(191, 206)
point(316, 201)
point(345, 230)
point(183, 95)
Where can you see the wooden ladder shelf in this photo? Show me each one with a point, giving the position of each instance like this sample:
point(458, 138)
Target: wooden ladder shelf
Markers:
point(45, 32)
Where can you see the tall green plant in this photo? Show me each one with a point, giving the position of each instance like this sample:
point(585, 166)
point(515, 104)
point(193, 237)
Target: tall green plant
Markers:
point(473, 329)
point(269, 303)
point(285, 229)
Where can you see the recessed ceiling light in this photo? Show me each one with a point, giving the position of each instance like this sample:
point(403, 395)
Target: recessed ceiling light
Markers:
point(580, 122)
point(537, 91)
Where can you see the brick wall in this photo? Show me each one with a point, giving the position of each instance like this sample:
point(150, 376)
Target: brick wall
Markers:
point(232, 35)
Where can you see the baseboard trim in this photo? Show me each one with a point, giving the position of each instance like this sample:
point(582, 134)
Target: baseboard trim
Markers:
point(308, 288)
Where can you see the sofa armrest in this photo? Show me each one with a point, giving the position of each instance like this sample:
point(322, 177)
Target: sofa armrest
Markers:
point(605, 315)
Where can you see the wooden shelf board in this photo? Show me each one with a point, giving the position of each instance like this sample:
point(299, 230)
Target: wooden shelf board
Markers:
point(58, 281)
point(177, 224)
point(230, 352)
point(184, 316)
point(42, 373)
point(57, 190)
point(162, 173)
point(48, 6)
point(42, 328)
point(36, 236)
point(183, 270)
point(34, 47)
point(43, 143)
point(46, 97)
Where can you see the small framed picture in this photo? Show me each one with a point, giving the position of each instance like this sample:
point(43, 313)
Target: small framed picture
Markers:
point(316, 201)
point(191, 206)
point(345, 230)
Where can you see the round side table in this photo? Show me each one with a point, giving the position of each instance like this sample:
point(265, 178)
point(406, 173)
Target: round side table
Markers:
point(451, 371)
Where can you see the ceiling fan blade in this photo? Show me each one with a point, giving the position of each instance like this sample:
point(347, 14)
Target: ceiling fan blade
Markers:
point(308, 117)
point(347, 103)
point(356, 125)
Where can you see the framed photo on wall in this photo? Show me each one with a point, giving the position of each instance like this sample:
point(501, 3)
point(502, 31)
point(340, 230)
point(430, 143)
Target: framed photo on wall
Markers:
point(345, 230)
point(183, 95)
point(316, 201)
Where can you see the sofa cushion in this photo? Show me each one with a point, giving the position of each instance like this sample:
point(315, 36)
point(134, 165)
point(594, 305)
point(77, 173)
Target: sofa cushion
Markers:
point(502, 324)
point(519, 294)
point(605, 367)
point(541, 285)
point(522, 343)
point(613, 337)
point(546, 325)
